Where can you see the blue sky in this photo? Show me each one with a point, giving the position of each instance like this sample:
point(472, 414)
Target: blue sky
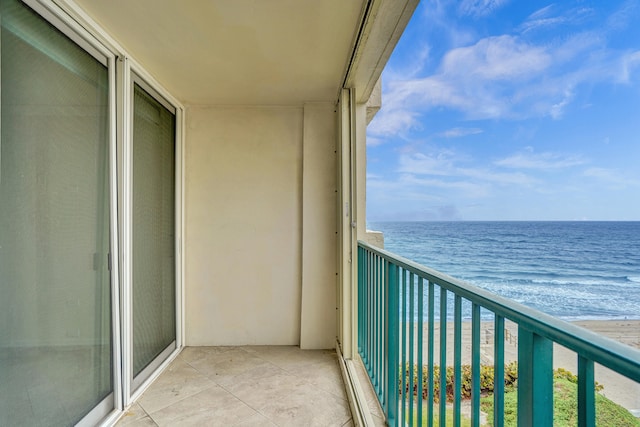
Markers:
point(510, 110)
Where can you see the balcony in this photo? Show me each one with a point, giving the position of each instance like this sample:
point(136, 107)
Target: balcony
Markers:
point(257, 386)
point(400, 307)
point(265, 113)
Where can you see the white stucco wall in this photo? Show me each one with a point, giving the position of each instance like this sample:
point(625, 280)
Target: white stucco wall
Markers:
point(319, 242)
point(244, 203)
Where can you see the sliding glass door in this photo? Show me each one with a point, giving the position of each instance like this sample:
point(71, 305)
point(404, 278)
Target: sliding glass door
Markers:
point(56, 354)
point(61, 358)
point(153, 204)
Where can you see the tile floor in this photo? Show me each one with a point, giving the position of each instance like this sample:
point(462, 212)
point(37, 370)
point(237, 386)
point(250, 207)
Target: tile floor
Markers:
point(245, 386)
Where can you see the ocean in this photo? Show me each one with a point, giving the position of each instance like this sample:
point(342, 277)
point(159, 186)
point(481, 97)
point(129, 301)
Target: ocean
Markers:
point(572, 270)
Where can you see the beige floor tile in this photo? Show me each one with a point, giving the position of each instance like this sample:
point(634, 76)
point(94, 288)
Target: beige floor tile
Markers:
point(260, 369)
point(256, 420)
point(260, 392)
point(211, 407)
point(192, 354)
point(292, 357)
point(145, 421)
point(325, 375)
point(178, 381)
point(134, 413)
point(246, 386)
point(308, 407)
point(223, 367)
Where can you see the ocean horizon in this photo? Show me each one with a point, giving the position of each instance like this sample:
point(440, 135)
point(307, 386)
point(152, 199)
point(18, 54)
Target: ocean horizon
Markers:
point(574, 270)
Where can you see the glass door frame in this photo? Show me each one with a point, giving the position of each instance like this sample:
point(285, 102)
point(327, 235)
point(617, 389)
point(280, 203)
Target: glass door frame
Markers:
point(109, 409)
point(130, 74)
point(123, 72)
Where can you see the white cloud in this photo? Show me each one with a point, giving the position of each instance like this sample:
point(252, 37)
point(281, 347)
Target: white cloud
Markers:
point(629, 63)
point(611, 178)
point(411, 66)
point(543, 22)
point(599, 173)
point(480, 8)
point(391, 121)
point(543, 13)
point(624, 16)
point(426, 182)
point(515, 178)
point(506, 76)
point(547, 17)
point(400, 190)
point(465, 188)
point(374, 142)
point(542, 161)
point(557, 110)
point(447, 164)
point(437, 17)
point(440, 163)
point(554, 61)
point(460, 132)
point(496, 58)
point(480, 80)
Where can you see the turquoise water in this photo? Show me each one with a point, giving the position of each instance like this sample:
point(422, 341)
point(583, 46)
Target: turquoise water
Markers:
point(572, 270)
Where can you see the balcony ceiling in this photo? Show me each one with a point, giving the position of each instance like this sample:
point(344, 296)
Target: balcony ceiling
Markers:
point(263, 52)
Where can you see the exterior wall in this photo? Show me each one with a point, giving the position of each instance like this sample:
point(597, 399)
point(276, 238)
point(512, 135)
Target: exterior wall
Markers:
point(253, 274)
point(319, 228)
point(375, 238)
point(375, 101)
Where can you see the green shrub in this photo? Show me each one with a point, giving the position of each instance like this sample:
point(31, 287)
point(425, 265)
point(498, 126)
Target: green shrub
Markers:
point(562, 373)
point(464, 421)
point(565, 407)
point(486, 380)
point(565, 397)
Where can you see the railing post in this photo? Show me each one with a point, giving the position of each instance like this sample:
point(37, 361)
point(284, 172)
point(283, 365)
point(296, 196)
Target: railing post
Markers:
point(475, 365)
point(498, 371)
point(391, 332)
point(430, 352)
point(535, 380)
point(443, 356)
point(586, 393)
point(457, 359)
point(361, 285)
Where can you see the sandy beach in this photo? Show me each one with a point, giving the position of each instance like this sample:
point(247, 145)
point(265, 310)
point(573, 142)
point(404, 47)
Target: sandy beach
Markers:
point(616, 387)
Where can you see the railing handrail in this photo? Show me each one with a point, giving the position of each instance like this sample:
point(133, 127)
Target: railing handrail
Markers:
point(598, 348)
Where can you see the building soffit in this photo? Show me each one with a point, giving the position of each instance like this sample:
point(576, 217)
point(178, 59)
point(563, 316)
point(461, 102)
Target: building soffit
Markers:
point(256, 52)
point(236, 52)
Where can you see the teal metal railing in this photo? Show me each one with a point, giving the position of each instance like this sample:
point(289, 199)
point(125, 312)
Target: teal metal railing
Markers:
point(405, 315)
